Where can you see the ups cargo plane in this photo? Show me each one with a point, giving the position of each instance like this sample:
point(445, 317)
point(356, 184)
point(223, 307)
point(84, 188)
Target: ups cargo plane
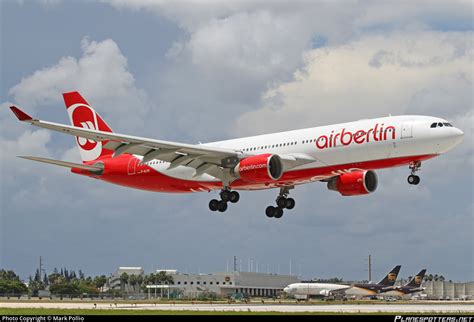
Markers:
point(344, 156)
point(413, 286)
point(368, 289)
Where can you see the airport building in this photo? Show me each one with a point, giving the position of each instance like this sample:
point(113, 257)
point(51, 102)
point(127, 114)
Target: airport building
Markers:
point(114, 279)
point(223, 284)
point(442, 290)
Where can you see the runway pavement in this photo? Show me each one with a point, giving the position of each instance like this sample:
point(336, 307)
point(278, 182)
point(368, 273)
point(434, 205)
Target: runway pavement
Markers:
point(338, 308)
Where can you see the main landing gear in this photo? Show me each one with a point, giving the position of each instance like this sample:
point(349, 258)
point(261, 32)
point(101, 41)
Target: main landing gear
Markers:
point(412, 178)
point(226, 196)
point(282, 202)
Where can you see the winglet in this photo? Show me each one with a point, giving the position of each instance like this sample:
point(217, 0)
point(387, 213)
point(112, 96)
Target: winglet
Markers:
point(22, 116)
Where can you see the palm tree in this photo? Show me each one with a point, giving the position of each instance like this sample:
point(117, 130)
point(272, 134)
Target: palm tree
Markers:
point(133, 281)
point(123, 281)
point(99, 282)
point(441, 278)
point(139, 281)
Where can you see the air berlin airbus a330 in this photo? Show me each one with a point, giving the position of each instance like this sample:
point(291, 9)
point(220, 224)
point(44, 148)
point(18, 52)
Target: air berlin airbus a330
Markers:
point(343, 155)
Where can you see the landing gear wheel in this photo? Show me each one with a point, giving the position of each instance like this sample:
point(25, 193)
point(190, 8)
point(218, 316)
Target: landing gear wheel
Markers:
point(278, 212)
point(290, 203)
point(225, 195)
point(414, 167)
point(281, 202)
point(234, 197)
point(213, 204)
point(417, 180)
point(222, 206)
point(269, 211)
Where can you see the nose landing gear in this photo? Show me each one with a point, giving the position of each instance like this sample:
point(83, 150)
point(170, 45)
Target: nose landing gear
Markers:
point(413, 178)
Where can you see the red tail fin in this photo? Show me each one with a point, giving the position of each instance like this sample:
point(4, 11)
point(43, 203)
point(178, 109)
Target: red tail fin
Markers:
point(83, 115)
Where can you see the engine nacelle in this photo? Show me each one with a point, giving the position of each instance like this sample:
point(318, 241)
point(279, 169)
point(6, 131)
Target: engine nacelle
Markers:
point(325, 293)
point(260, 168)
point(354, 183)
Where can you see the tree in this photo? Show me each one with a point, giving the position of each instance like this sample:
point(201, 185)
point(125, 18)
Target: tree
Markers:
point(55, 278)
point(45, 279)
point(139, 280)
point(11, 284)
point(65, 288)
point(35, 286)
point(441, 278)
point(123, 281)
point(99, 281)
point(37, 276)
point(133, 281)
point(163, 278)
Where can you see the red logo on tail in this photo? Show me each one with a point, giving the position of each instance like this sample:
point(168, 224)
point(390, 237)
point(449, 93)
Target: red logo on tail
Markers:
point(84, 117)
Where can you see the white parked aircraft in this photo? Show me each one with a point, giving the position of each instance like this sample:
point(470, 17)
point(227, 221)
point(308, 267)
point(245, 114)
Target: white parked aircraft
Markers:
point(342, 155)
point(307, 290)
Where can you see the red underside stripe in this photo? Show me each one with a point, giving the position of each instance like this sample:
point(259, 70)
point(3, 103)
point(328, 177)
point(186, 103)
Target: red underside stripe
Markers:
point(152, 180)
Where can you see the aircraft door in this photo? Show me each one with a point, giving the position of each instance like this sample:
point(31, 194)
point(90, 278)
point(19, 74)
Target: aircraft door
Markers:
point(132, 166)
point(407, 129)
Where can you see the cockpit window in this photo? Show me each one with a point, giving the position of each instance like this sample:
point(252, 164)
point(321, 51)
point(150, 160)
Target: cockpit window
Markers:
point(439, 124)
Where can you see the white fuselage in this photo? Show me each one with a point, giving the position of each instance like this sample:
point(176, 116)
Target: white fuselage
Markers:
point(346, 143)
point(313, 289)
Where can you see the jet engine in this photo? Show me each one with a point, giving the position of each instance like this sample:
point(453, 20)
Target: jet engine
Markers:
point(325, 293)
point(260, 168)
point(354, 183)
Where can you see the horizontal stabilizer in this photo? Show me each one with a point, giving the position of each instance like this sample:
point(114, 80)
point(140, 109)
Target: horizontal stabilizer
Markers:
point(92, 168)
point(22, 116)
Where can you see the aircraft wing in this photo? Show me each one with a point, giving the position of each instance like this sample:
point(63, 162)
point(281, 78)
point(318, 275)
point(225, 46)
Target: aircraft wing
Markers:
point(204, 159)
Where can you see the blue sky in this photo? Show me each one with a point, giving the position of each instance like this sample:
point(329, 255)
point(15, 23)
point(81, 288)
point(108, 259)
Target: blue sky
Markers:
point(213, 70)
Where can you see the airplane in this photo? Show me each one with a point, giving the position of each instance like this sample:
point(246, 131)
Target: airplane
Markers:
point(344, 156)
point(413, 286)
point(368, 289)
point(307, 290)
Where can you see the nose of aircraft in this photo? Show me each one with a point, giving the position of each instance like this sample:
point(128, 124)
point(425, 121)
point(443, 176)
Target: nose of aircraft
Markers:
point(286, 290)
point(458, 135)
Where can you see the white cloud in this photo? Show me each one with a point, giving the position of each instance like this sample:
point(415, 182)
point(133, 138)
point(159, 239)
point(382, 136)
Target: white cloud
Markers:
point(232, 51)
point(396, 73)
point(101, 75)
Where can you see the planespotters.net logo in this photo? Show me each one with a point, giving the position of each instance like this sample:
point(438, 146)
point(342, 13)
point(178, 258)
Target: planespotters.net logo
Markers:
point(400, 318)
point(345, 137)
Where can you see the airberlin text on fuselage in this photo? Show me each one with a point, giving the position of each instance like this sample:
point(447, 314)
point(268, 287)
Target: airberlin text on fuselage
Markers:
point(345, 137)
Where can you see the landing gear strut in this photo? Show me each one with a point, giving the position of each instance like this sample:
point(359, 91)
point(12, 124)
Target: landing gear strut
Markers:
point(226, 196)
point(282, 202)
point(413, 178)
